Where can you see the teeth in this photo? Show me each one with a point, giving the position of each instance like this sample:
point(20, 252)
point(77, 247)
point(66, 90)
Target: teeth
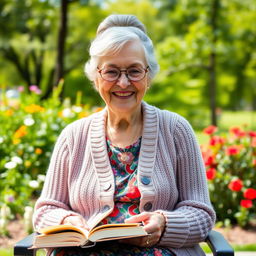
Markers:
point(122, 94)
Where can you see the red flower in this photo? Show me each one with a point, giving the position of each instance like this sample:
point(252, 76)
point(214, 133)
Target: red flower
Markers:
point(250, 193)
point(254, 162)
point(215, 140)
point(232, 150)
point(246, 203)
point(252, 134)
point(210, 129)
point(235, 185)
point(208, 160)
point(238, 132)
point(211, 173)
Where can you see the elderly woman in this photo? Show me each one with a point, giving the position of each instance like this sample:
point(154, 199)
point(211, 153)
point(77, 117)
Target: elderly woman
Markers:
point(131, 162)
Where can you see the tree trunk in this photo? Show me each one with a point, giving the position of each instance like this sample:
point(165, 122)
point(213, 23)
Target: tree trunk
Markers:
point(59, 69)
point(212, 62)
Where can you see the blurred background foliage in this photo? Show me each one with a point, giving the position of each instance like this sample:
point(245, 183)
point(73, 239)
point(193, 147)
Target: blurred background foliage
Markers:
point(206, 50)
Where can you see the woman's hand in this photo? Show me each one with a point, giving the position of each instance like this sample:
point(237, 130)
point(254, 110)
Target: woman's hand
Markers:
point(154, 225)
point(78, 221)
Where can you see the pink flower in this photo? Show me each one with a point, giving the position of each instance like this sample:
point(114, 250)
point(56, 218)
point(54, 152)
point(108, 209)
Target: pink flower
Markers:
point(125, 157)
point(35, 89)
point(20, 88)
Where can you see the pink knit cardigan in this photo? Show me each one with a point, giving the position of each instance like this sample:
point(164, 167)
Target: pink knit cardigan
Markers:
point(171, 178)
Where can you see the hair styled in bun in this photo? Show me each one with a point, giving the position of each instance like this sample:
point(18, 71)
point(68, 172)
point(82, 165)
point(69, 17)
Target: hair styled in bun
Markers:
point(120, 21)
point(112, 34)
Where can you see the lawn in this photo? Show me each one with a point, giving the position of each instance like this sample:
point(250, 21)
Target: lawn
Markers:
point(243, 119)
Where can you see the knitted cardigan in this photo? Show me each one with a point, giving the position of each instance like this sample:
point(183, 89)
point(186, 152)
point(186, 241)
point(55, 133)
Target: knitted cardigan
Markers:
point(171, 178)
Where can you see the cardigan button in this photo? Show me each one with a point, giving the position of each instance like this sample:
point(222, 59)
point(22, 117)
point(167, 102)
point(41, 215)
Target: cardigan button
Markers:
point(148, 206)
point(107, 186)
point(145, 180)
point(105, 208)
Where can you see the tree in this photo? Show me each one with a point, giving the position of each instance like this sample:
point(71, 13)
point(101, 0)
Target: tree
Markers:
point(212, 62)
point(25, 34)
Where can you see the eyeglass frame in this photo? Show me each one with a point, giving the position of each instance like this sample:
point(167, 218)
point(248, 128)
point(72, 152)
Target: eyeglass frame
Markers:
point(126, 74)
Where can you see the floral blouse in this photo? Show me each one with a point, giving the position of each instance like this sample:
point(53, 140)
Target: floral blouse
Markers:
point(124, 162)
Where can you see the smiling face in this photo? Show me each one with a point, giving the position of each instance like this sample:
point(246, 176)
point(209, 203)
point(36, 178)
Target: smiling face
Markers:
point(123, 95)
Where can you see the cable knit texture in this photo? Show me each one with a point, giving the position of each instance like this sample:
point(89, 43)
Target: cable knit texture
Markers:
point(80, 180)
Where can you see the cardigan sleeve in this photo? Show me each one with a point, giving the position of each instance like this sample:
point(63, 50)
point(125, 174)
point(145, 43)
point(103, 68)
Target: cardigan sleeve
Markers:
point(53, 205)
point(193, 217)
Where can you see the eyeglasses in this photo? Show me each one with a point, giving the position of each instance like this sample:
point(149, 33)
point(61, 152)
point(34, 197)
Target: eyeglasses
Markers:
point(112, 74)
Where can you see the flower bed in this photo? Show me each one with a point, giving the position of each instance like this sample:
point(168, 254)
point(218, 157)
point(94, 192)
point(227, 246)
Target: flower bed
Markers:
point(230, 161)
point(29, 129)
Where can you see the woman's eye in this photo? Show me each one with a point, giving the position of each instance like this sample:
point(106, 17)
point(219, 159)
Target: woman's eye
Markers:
point(134, 71)
point(112, 72)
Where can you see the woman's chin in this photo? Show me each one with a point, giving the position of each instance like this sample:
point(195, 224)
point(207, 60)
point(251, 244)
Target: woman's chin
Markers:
point(125, 107)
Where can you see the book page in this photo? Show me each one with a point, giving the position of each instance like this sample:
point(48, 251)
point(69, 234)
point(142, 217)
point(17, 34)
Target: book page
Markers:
point(113, 225)
point(63, 228)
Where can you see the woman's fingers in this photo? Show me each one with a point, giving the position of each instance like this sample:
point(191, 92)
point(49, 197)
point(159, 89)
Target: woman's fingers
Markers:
point(138, 218)
point(154, 225)
point(76, 221)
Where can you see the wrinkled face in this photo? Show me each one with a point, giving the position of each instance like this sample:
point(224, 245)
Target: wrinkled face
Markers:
point(123, 95)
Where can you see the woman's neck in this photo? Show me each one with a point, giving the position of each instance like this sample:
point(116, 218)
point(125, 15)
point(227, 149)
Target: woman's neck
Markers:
point(124, 129)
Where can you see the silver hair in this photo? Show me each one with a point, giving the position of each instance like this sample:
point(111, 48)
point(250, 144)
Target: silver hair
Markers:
point(112, 34)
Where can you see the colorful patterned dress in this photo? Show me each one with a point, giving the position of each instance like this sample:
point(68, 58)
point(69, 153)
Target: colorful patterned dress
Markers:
point(124, 162)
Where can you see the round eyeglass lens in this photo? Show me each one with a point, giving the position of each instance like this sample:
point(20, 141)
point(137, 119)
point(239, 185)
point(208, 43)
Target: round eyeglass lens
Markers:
point(135, 74)
point(132, 73)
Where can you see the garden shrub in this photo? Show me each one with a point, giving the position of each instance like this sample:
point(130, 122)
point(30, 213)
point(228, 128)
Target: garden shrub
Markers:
point(29, 129)
point(230, 161)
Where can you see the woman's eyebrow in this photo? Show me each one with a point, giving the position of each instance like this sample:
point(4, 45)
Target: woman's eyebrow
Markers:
point(136, 64)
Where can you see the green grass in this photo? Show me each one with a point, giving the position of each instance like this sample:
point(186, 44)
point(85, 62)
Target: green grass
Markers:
point(243, 119)
point(237, 248)
point(240, 118)
point(9, 252)
point(6, 252)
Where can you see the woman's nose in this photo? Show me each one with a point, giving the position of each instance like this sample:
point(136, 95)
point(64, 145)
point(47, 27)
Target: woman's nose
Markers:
point(123, 80)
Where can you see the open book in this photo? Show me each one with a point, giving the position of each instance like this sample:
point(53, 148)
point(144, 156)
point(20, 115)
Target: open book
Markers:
point(68, 235)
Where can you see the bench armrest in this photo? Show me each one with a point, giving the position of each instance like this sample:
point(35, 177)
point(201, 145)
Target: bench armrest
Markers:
point(218, 244)
point(21, 247)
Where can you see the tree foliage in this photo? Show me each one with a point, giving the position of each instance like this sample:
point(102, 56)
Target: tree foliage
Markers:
point(194, 50)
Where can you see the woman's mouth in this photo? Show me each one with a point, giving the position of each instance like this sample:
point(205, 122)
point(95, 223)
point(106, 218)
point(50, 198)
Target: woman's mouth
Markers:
point(123, 95)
